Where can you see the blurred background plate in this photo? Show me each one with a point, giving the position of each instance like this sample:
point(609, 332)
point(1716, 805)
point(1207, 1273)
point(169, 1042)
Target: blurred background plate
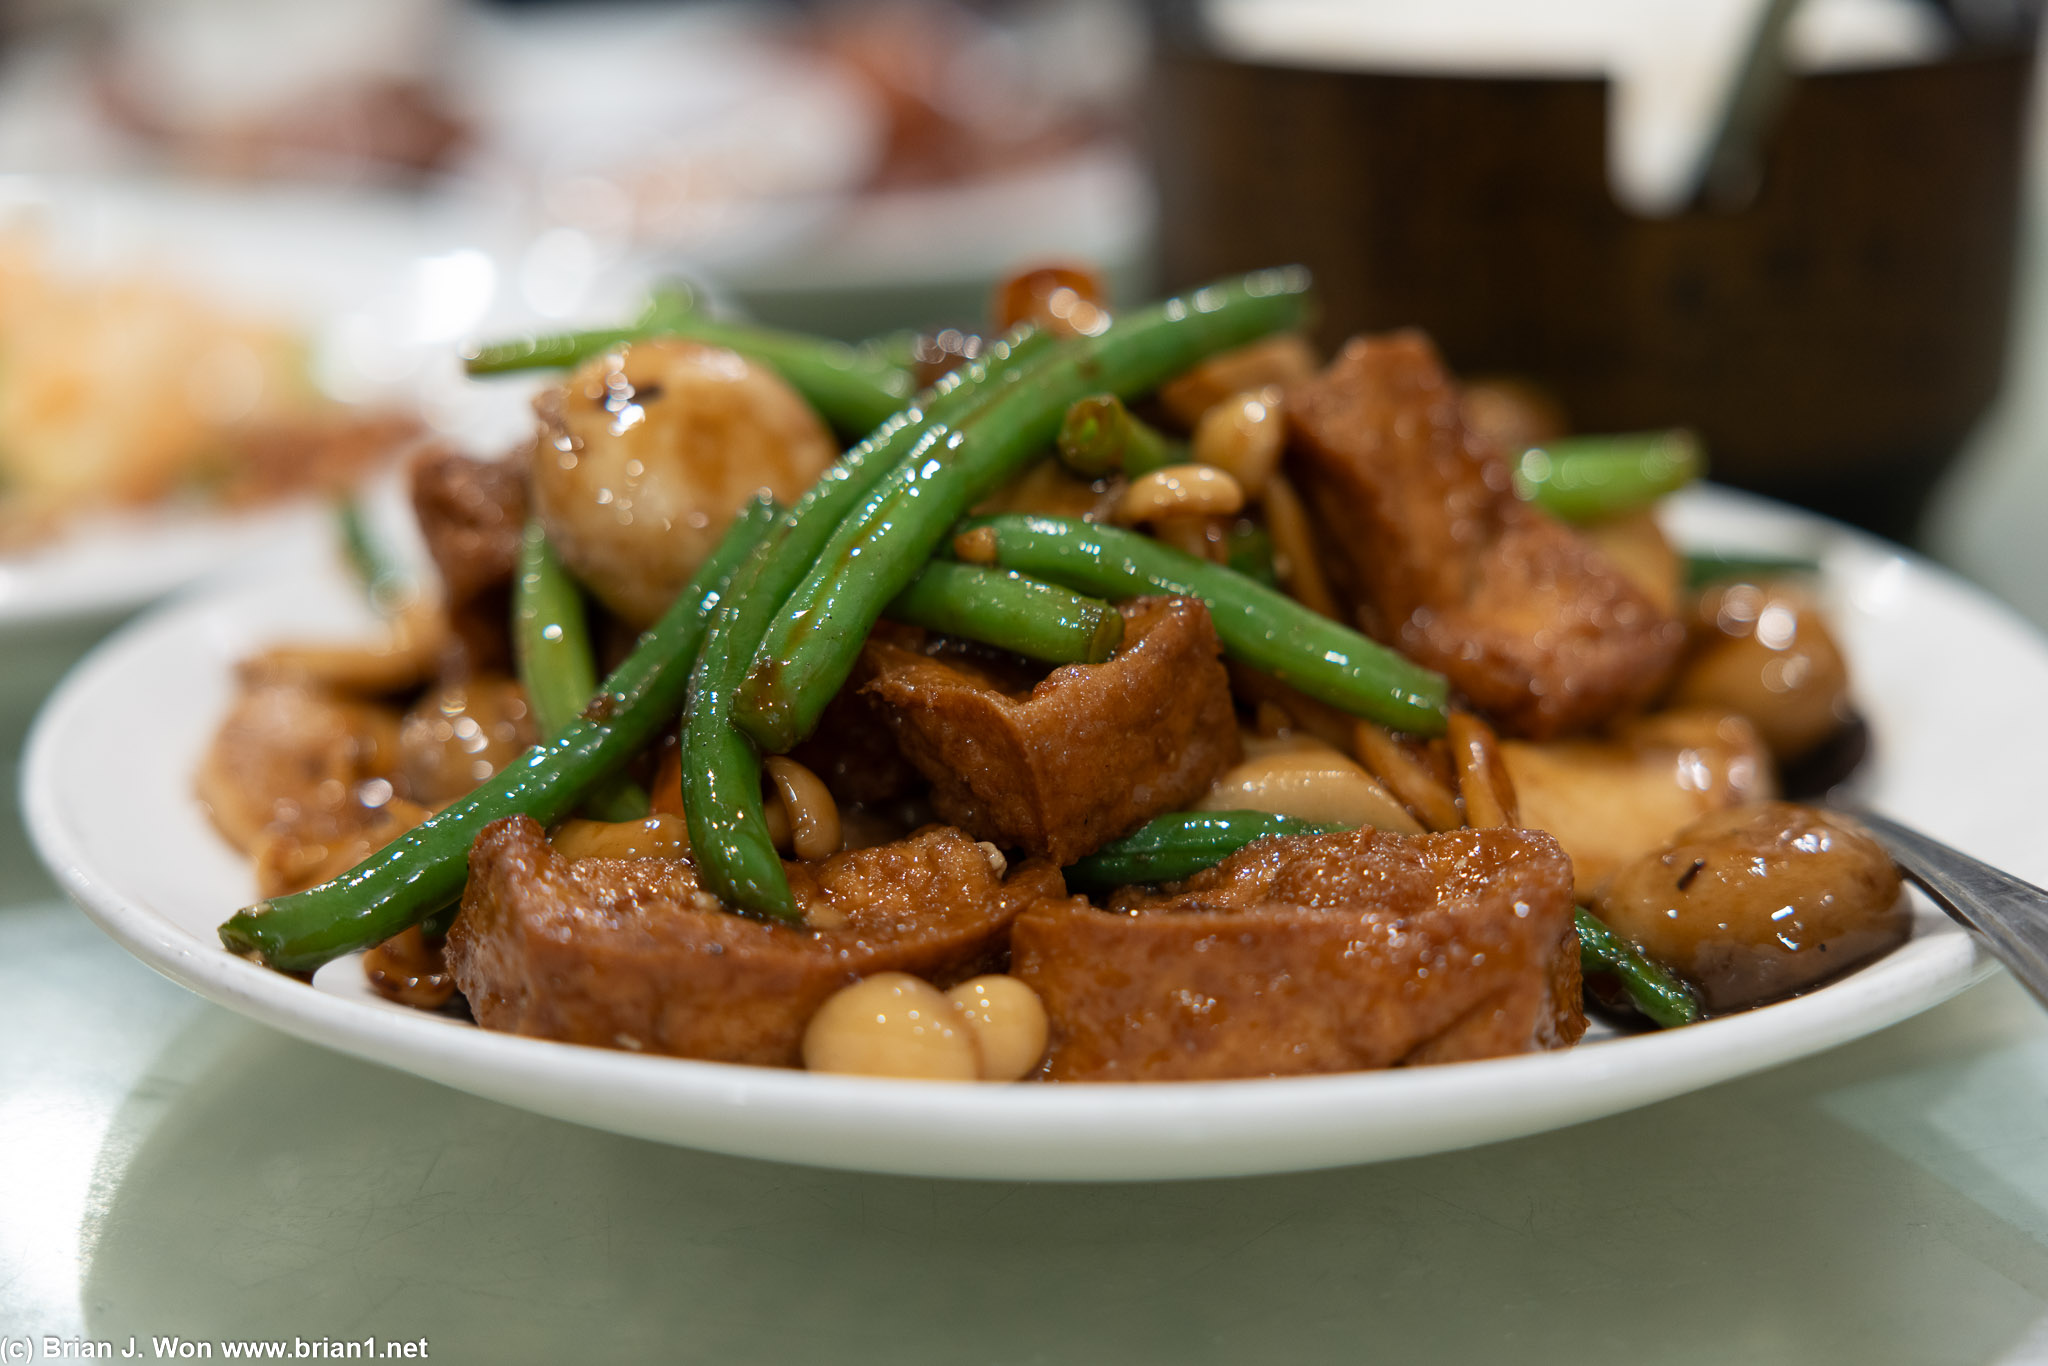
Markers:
point(364, 296)
point(852, 168)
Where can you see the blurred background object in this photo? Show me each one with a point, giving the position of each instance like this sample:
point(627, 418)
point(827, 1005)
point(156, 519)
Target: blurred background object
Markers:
point(190, 371)
point(1986, 518)
point(130, 389)
point(241, 88)
point(1503, 176)
point(850, 167)
point(1790, 224)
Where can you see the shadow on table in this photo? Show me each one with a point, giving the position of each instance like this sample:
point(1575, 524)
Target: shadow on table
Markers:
point(1837, 1209)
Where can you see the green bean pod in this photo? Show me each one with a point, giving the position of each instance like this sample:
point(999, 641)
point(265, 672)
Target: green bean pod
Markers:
point(1248, 549)
point(387, 584)
point(1667, 1001)
point(550, 638)
point(551, 646)
point(1179, 845)
point(721, 770)
point(423, 870)
point(558, 351)
point(722, 803)
point(898, 348)
point(1261, 626)
point(1585, 478)
point(1703, 567)
point(1100, 436)
point(854, 388)
point(882, 545)
point(997, 607)
point(667, 306)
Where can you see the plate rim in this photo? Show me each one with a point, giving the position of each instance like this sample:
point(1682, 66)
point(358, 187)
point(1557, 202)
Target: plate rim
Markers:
point(724, 1107)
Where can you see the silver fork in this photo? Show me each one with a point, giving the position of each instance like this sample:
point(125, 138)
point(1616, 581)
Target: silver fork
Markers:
point(2009, 914)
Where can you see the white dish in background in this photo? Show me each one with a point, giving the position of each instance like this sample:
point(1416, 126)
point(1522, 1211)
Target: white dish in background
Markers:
point(698, 129)
point(110, 563)
point(1949, 680)
point(382, 287)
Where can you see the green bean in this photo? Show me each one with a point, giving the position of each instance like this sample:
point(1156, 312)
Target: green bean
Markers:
point(1585, 478)
point(882, 545)
point(898, 348)
point(390, 588)
point(1248, 548)
point(721, 770)
point(423, 870)
point(1007, 610)
point(668, 305)
point(1265, 628)
point(1180, 845)
point(853, 387)
point(550, 639)
point(1100, 436)
point(559, 351)
point(551, 644)
point(1703, 567)
point(721, 786)
point(1658, 995)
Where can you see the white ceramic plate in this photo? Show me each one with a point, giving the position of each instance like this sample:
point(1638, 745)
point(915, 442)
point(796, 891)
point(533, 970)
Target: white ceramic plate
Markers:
point(381, 286)
point(1951, 683)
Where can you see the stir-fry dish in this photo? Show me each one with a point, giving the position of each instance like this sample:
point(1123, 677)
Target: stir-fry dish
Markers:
point(210, 409)
point(1137, 697)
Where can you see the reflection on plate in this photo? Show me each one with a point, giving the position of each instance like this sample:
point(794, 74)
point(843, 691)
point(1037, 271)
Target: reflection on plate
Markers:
point(1949, 680)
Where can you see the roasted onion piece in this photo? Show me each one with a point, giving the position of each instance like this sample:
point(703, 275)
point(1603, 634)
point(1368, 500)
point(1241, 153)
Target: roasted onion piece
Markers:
point(1759, 900)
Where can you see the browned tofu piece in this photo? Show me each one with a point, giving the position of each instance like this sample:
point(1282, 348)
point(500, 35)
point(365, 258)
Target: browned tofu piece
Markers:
point(471, 515)
point(1438, 557)
point(1325, 953)
point(1090, 753)
point(634, 954)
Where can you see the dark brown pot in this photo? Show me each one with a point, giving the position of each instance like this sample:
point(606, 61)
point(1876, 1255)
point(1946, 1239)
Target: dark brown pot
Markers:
point(1834, 340)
